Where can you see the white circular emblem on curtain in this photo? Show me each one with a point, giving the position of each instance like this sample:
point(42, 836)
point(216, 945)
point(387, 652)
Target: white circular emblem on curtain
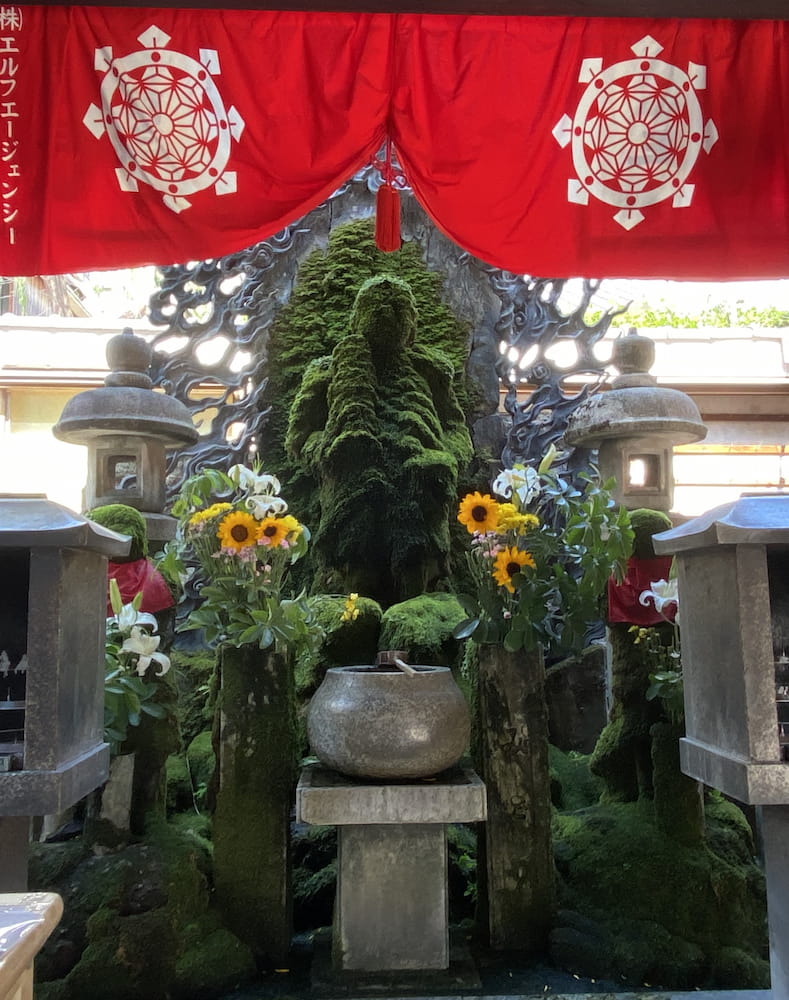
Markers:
point(637, 133)
point(166, 120)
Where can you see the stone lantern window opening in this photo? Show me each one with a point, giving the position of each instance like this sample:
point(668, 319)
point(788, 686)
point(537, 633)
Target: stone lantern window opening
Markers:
point(125, 472)
point(644, 471)
point(121, 472)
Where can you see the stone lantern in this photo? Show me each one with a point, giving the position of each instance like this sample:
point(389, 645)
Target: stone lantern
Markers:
point(733, 574)
point(635, 425)
point(53, 586)
point(128, 427)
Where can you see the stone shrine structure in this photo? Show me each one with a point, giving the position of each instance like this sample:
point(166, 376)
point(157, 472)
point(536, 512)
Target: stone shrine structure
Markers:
point(635, 425)
point(732, 568)
point(128, 427)
point(53, 582)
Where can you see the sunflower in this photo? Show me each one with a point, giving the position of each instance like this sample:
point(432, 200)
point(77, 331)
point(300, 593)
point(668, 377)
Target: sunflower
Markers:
point(479, 512)
point(511, 519)
point(274, 531)
point(508, 563)
point(238, 531)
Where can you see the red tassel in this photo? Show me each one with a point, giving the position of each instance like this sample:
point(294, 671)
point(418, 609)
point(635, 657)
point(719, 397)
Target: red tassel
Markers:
point(387, 219)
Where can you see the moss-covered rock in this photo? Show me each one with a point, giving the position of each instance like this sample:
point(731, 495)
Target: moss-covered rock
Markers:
point(135, 921)
point(189, 774)
point(195, 677)
point(424, 626)
point(573, 786)
point(126, 520)
point(666, 913)
point(346, 640)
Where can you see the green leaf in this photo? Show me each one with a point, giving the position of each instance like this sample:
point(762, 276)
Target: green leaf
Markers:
point(466, 628)
point(155, 710)
point(513, 641)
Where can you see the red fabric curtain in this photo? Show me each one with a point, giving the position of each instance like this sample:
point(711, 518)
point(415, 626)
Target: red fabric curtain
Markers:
point(244, 120)
point(693, 111)
point(549, 146)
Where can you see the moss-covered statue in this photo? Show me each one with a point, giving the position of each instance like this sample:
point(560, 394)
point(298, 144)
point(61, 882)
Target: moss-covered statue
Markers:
point(378, 425)
point(637, 755)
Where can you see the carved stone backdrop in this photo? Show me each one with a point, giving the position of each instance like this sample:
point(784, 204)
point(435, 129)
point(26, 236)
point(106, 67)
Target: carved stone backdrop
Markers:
point(215, 316)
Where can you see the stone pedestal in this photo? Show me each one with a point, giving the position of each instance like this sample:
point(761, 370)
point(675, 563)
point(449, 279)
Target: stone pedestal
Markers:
point(391, 909)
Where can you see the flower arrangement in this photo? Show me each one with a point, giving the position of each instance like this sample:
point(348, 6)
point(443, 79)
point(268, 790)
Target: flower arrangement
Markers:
point(236, 537)
point(131, 682)
point(540, 556)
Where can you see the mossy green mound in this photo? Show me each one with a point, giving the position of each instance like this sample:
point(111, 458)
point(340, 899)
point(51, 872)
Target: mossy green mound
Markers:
point(127, 521)
point(573, 786)
point(346, 641)
point(646, 522)
point(137, 922)
point(423, 627)
point(662, 912)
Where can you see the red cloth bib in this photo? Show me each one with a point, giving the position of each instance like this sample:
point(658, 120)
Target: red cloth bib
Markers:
point(136, 576)
point(623, 598)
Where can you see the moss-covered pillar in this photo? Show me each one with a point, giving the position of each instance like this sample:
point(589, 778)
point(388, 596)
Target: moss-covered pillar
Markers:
point(679, 800)
point(519, 872)
point(255, 755)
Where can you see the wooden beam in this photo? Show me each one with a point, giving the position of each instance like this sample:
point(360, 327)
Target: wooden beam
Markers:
point(751, 10)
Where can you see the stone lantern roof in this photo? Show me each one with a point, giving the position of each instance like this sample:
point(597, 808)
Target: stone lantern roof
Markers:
point(127, 403)
point(635, 425)
point(635, 405)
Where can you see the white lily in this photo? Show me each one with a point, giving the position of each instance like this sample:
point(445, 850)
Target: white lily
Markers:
point(662, 592)
point(246, 479)
point(262, 505)
point(129, 616)
point(145, 646)
point(523, 480)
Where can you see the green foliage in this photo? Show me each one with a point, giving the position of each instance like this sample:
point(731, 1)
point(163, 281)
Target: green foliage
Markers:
point(719, 315)
point(380, 430)
point(127, 521)
point(542, 560)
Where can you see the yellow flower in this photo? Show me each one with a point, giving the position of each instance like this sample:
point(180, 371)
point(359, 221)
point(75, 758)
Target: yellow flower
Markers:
point(292, 527)
point(351, 612)
point(479, 512)
point(274, 531)
point(237, 531)
point(508, 563)
point(511, 519)
point(201, 516)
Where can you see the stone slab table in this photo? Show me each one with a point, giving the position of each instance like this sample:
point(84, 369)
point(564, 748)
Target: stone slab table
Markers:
point(391, 907)
point(26, 921)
